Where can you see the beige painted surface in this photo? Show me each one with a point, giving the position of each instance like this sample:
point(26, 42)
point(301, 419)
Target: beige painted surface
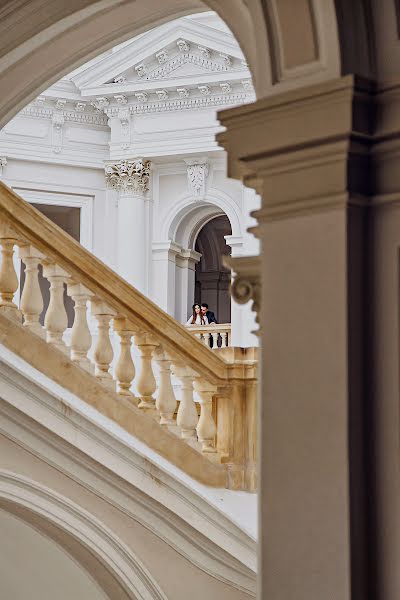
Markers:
point(34, 567)
point(304, 500)
point(175, 575)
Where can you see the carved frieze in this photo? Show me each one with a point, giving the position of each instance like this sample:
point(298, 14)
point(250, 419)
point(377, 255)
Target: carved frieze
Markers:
point(247, 85)
point(101, 103)
point(179, 60)
point(183, 45)
point(204, 90)
point(162, 94)
point(162, 56)
point(197, 173)
point(226, 88)
point(60, 103)
point(182, 92)
point(129, 175)
point(141, 96)
point(121, 99)
point(204, 51)
point(140, 70)
point(226, 59)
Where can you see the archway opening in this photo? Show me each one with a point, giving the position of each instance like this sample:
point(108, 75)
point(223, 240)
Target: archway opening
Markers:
point(212, 278)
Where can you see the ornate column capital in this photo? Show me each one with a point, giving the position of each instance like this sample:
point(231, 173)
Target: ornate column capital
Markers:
point(129, 175)
point(246, 283)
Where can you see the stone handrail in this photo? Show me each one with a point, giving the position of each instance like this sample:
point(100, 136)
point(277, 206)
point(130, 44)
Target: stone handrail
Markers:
point(211, 334)
point(223, 385)
point(82, 266)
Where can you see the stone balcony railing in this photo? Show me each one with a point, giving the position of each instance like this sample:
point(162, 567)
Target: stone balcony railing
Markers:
point(216, 335)
point(217, 447)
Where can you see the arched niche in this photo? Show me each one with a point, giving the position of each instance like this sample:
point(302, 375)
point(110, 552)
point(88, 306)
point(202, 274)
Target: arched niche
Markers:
point(90, 543)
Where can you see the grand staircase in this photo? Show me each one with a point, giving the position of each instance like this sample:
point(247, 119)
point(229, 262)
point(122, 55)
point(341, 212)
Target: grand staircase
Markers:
point(193, 405)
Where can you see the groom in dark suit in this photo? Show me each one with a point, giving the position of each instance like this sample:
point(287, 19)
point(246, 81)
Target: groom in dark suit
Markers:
point(208, 313)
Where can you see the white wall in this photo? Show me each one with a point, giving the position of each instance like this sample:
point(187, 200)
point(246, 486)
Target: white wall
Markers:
point(55, 150)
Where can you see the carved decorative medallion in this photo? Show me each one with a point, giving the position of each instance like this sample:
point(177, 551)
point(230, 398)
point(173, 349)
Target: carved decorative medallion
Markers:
point(129, 175)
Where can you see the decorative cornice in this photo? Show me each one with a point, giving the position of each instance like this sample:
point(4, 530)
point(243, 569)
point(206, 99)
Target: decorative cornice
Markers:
point(129, 175)
point(78, 115)
point(165, 103)
point(304, 167)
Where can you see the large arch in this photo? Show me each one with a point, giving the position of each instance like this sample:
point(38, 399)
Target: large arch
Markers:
point(36, 51)
point(115, 568)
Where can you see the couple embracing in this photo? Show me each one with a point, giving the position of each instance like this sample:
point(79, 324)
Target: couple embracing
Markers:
point(201, 315)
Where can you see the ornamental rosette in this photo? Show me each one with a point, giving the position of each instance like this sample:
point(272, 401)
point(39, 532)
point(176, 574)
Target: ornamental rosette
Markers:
point(129, 175)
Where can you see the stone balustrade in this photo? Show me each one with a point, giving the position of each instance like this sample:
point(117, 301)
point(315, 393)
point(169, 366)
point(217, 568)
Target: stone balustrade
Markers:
point(216, 335)
point(166, 348)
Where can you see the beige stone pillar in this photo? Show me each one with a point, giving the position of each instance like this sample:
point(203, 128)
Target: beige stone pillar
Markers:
point(307, 153)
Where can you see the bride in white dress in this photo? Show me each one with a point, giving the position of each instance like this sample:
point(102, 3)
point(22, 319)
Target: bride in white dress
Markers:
point(197, 317)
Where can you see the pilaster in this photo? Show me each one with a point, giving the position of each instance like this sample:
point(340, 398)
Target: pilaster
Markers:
point(164, 274)
point(308, 153)
point(186, 262)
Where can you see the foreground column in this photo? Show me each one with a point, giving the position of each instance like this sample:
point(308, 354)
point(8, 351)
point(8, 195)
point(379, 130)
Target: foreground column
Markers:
point(306, 152)
point(131, 179)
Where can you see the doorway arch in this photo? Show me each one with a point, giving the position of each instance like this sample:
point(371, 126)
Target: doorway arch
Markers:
point(212, 278)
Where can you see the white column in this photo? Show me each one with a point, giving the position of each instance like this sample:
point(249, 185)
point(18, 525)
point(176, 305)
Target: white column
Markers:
point(185, 281)
point(131, 179)
point(164, 280)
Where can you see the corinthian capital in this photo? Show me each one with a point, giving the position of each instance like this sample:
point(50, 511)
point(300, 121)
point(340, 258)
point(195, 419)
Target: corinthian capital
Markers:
point(129, 175)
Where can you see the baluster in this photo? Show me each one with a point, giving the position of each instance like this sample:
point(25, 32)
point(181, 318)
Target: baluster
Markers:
point(207, 337)
point(166, 401)
point(8, 276)
point(31, 300)
point(56, 320)
point(146, 383)
point(215, 339)
point(224, 336)
point(187, 416)
point(206, 428)
point(125, 369)
point(81, 338)
point(103, 351)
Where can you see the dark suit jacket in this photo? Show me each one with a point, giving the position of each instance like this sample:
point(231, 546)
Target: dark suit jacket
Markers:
point(211, 317)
